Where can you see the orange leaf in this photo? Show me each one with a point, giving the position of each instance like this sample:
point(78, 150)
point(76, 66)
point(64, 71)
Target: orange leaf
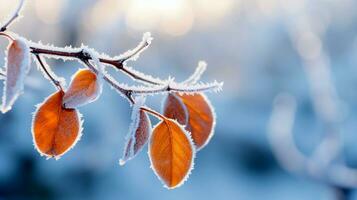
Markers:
point(175, 109)
point(171, 152)
point(201, 117)
point(17, 67)
point(84, 88)
point(55, 129)
point(139, 135)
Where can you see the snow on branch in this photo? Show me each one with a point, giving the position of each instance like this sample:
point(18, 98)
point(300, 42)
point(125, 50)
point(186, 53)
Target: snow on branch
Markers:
point(201, 68)
point(171, 86)
point(135, 53)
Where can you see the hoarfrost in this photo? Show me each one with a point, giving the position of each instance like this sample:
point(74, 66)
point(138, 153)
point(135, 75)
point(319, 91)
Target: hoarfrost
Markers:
point(201, 67)
point(139, 131)
point(17, 66)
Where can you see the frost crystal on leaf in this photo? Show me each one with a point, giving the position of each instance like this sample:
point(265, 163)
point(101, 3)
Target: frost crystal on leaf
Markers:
point(55, 130)
point(84, 88)
point(171, 145)
point(139, 132)
point(17, 67)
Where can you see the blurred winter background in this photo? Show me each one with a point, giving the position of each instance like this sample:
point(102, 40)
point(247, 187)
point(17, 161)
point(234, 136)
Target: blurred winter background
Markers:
point(259, 48)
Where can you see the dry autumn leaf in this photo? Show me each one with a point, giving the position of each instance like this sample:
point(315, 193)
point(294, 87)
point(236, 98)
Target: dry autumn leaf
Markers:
point(175, 109)
point(17, 67)
point(171, 152)
point(85, 88)
point(55, 129)
point(139, 135)
point(201, 117)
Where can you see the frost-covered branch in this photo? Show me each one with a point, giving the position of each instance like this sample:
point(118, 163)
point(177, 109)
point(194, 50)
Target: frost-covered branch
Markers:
point(135, 53)
point(202, 65)
point(155, 85)
point(116, 62)
point(158, 86)
point(12, 17)
point(171, 86)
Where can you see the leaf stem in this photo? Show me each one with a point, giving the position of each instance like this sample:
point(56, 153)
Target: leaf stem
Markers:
point(7, 36)
point(44, 68)
point(152, 112)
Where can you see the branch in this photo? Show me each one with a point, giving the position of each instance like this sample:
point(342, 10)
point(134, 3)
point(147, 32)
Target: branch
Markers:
point(13, 16)
point(157, 86)
point(118, 64)
point(181, 88)
point(162, 86)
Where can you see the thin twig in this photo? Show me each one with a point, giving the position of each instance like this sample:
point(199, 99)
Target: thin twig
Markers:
point(201, 67)
point(44, 68)
point(13, 16)
point(152, 112)
point(134, 53)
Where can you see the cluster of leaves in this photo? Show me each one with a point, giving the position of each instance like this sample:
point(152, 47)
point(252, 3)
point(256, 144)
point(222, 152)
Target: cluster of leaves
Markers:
point(185, 127)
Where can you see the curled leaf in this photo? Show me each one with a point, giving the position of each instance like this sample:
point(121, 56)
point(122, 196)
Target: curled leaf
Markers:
point(55, 129)
point(17, 67)
point(85, 88)
point(171, 152)
point(200, 115)
point(139, 134)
